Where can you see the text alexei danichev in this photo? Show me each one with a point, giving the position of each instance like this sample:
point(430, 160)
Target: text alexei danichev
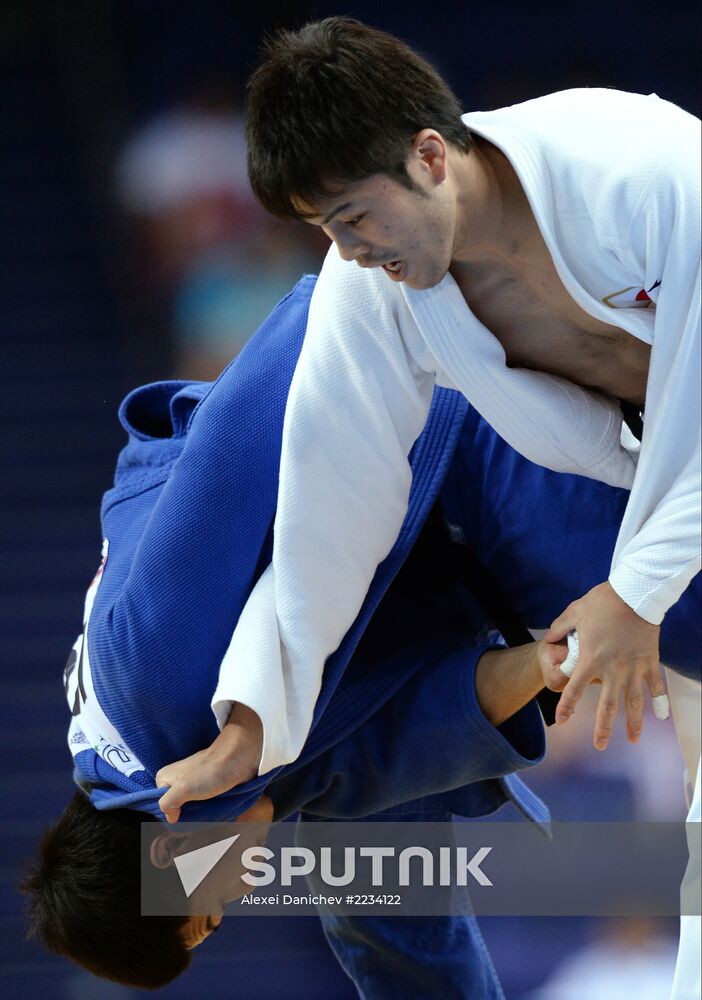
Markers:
point(287, 899)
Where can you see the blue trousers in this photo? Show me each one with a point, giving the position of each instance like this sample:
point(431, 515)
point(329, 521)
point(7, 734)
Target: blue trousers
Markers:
point(412, 957)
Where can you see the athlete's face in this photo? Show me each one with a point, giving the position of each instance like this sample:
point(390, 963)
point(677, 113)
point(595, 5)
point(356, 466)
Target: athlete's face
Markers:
point(378, 222)
point(213, 893)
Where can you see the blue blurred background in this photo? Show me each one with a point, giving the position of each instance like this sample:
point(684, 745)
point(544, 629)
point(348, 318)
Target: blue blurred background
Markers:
point(132, 249)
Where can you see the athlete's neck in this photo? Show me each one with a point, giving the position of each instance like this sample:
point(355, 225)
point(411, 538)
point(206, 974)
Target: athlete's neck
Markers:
point(493, 212)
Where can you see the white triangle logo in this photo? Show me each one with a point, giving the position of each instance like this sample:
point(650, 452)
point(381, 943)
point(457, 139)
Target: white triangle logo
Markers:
point(195, 865)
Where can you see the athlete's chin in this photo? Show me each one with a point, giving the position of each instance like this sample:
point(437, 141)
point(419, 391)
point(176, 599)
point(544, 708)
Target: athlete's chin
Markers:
point(421, 282)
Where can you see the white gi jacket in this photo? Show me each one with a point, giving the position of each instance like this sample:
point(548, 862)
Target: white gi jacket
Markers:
point(613, 181)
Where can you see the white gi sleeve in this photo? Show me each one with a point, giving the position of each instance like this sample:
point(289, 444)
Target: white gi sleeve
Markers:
point(658, 548)
point(358, 401)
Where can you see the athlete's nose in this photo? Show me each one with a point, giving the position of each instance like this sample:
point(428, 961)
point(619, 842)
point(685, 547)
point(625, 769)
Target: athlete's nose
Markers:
point(350, 247)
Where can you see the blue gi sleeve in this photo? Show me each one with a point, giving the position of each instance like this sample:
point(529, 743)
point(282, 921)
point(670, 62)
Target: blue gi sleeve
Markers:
point(432, 737)
point(186, 542)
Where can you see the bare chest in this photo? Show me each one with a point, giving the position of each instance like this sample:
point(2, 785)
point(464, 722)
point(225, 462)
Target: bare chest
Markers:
point(526, 306)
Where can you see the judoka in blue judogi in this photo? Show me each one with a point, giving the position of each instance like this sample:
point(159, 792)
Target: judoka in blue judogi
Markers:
point(397, 729)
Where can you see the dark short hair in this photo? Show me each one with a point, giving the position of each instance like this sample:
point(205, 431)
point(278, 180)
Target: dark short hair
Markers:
point(84, 899)
point(336, 102)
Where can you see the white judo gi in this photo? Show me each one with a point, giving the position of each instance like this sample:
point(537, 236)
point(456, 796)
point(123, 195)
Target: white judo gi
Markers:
point(613, 181)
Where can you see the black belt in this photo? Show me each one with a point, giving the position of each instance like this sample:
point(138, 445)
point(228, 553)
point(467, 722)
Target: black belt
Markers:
point(633, 418)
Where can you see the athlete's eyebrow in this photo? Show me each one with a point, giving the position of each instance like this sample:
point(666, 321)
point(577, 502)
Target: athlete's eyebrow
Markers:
point(335, 211)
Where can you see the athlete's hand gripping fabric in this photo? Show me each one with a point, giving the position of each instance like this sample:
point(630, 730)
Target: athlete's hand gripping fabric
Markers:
point(617, 648)
point(232, 758)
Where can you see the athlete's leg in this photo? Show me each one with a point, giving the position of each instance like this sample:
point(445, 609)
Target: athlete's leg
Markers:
point(422, 957)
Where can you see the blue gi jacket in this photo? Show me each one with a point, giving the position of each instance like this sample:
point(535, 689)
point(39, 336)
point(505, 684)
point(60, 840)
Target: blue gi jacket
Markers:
point(189, 525)
point(189, 528)
point(548, 537)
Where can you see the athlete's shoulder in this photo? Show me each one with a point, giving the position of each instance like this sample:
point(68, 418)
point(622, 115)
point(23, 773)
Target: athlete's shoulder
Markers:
point(581, 101)
point(588, 113)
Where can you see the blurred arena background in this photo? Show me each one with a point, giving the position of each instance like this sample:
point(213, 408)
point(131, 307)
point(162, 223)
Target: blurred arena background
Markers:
point(132, 250)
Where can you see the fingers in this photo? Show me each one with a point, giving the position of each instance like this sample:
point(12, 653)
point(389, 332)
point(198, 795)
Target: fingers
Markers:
point(606, 714)
point(171, 801)
point(634, 700)
point(659, 699)
point(170, 806)
point(184, 787)
point(555, 680)
point(550, 657)
point(572, 693)
point(634, 704)
point(167, 775)
point(204, 775)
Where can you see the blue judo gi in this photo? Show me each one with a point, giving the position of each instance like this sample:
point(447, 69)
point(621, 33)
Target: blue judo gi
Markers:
point(397, 726)
point(189, 527)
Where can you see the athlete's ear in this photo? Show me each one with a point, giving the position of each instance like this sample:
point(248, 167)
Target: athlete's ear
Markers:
point(170, 844)
point(165, 847)
point(428, 149)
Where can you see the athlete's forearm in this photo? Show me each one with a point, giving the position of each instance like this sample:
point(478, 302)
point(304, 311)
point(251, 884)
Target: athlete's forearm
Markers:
point(506, 680)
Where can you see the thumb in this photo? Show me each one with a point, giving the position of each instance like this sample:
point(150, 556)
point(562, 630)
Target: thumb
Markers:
point(170, 803)
point(560, 627)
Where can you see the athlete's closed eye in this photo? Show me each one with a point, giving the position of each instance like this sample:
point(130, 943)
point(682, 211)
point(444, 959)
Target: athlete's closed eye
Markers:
point(356, 219)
